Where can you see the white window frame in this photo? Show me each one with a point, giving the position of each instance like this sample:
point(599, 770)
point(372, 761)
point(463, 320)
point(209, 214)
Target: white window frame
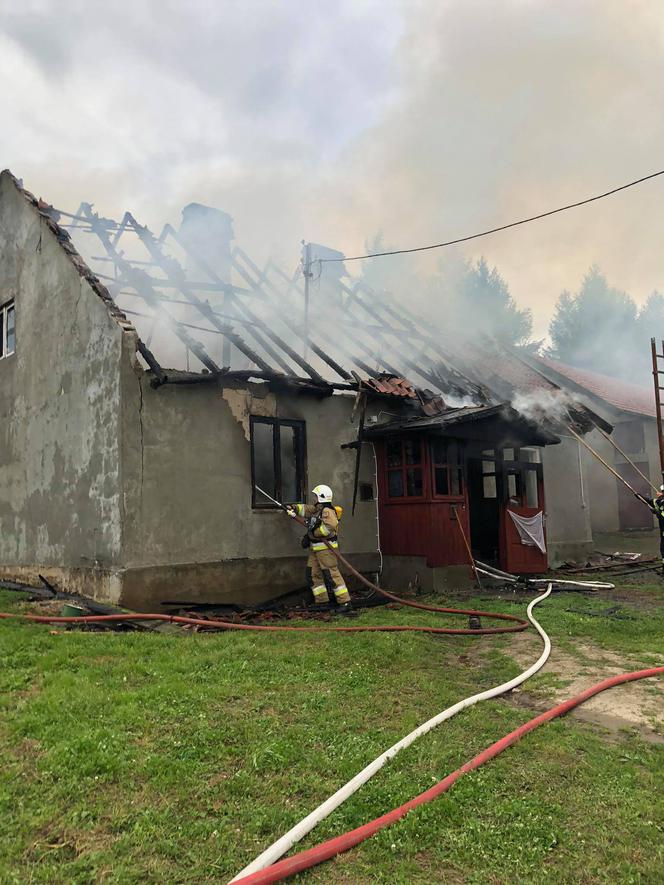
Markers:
point(4, 310)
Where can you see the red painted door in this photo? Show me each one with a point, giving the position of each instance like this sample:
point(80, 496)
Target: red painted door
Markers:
point(524, 496)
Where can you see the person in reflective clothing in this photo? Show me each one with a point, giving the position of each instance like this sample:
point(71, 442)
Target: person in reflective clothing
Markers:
point(657, 507)
point(323, 575)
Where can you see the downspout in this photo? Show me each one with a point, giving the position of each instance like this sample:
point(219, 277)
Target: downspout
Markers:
point(380, 552)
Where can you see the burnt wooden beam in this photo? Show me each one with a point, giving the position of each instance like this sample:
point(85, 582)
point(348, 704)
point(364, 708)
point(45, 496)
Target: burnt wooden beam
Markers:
point(319, 351)
point(151, 360)
point(135, 277)
point(176, 275)
point(240, 305)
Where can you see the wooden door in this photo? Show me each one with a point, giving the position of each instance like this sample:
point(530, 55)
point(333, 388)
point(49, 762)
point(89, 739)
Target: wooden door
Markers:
point(484, 490)
point(523, 495)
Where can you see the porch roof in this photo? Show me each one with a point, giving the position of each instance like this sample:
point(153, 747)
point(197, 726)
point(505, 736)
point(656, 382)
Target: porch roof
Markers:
point(501, 423)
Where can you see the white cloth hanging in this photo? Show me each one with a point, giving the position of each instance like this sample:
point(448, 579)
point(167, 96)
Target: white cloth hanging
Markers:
point(530, 529)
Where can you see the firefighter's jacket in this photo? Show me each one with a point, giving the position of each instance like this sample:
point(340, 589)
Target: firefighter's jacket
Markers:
point(322, 524)
point(657, 508)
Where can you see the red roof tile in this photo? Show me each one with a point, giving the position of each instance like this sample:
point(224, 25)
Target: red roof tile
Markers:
point(620, 394)
point(392, 385)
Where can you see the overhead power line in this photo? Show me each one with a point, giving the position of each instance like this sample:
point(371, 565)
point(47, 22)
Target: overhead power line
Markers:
point(485, 233)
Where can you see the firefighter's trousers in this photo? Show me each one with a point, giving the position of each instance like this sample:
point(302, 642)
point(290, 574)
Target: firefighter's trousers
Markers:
point(324, 577)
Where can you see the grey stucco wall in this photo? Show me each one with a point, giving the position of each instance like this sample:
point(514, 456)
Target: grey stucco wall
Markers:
point(603, 487)
point(186, 464)
point(59, 406)
point(600, 486)
point(569, 535)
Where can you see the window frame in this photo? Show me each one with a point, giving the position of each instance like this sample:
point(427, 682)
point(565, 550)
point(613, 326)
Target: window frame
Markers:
point(258, 501)
point(449, 466)
point(4, 311)
point(403, 469)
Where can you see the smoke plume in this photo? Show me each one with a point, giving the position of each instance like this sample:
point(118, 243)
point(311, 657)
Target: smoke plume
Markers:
point(425, 120)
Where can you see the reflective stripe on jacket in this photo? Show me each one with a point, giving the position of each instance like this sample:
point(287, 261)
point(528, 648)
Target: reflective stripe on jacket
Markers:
point(329, 521)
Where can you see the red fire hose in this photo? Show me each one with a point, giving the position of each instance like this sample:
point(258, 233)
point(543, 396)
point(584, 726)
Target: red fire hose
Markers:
point(304, 860)
point(519, 623)
point(229, 625)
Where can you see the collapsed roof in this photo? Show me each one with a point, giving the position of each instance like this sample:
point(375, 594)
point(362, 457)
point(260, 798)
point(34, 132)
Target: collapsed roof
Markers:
point(205, 310)
point(203, 306)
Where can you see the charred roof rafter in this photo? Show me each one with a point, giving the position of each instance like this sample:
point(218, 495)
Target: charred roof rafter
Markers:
point(137, 279)
point(368, 332)
point(457, 379)
point(176, 275)
point(387, 329)
point(369, 352)
point(320, 353)
point(244, 308)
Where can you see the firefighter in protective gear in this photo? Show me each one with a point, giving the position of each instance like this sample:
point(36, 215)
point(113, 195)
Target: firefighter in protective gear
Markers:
point(323, 575)
point(657, 507)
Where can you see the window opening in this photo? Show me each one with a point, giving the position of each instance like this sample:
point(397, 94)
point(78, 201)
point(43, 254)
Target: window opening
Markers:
point(489, 489)
point(366, 491)
point(404, 468)
point(447, 468)
point(7, 329)
point(514, 487)
point(531, 455)
point(532, 494)
point(489, 482)
point(277, 459)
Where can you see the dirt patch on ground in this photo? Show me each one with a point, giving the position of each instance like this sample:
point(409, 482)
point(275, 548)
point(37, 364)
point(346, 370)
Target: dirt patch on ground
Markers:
point(635, 705)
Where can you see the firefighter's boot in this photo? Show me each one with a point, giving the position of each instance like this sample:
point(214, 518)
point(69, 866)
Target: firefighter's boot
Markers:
point(346, 610)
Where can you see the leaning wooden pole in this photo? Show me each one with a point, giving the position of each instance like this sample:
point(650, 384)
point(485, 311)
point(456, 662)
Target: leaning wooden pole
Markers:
point(628, 459)
point(467, 545)
point(601, 460)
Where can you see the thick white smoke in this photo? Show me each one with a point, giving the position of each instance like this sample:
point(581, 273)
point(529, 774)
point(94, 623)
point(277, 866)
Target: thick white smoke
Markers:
point(545, 405)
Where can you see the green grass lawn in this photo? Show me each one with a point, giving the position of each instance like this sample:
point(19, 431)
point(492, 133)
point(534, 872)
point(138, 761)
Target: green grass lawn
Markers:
point(177, 757)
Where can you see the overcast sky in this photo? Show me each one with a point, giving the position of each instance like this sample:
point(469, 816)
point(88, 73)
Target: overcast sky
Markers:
point(332, 121)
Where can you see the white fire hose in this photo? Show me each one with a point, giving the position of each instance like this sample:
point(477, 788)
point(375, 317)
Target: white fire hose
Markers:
point(300, 830)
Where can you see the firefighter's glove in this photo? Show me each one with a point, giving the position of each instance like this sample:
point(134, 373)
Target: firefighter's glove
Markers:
point(291, 512)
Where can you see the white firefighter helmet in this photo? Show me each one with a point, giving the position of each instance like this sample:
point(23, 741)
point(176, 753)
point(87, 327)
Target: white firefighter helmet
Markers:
point(323, 493)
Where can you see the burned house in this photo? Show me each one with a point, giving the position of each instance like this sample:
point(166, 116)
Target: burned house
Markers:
point(630, 410)
point(147, 391)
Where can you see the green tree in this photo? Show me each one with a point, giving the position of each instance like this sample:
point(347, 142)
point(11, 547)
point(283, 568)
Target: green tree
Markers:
point(484, 300)
point(471, 298)
point(650, 321)
point(461, 297)
point(596, 328)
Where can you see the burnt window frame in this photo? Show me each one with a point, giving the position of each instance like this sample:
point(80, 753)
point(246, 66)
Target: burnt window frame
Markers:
point(404, 467)
point(448, 466)
point(4, 311)
point(520, 467)
point(258, 501)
